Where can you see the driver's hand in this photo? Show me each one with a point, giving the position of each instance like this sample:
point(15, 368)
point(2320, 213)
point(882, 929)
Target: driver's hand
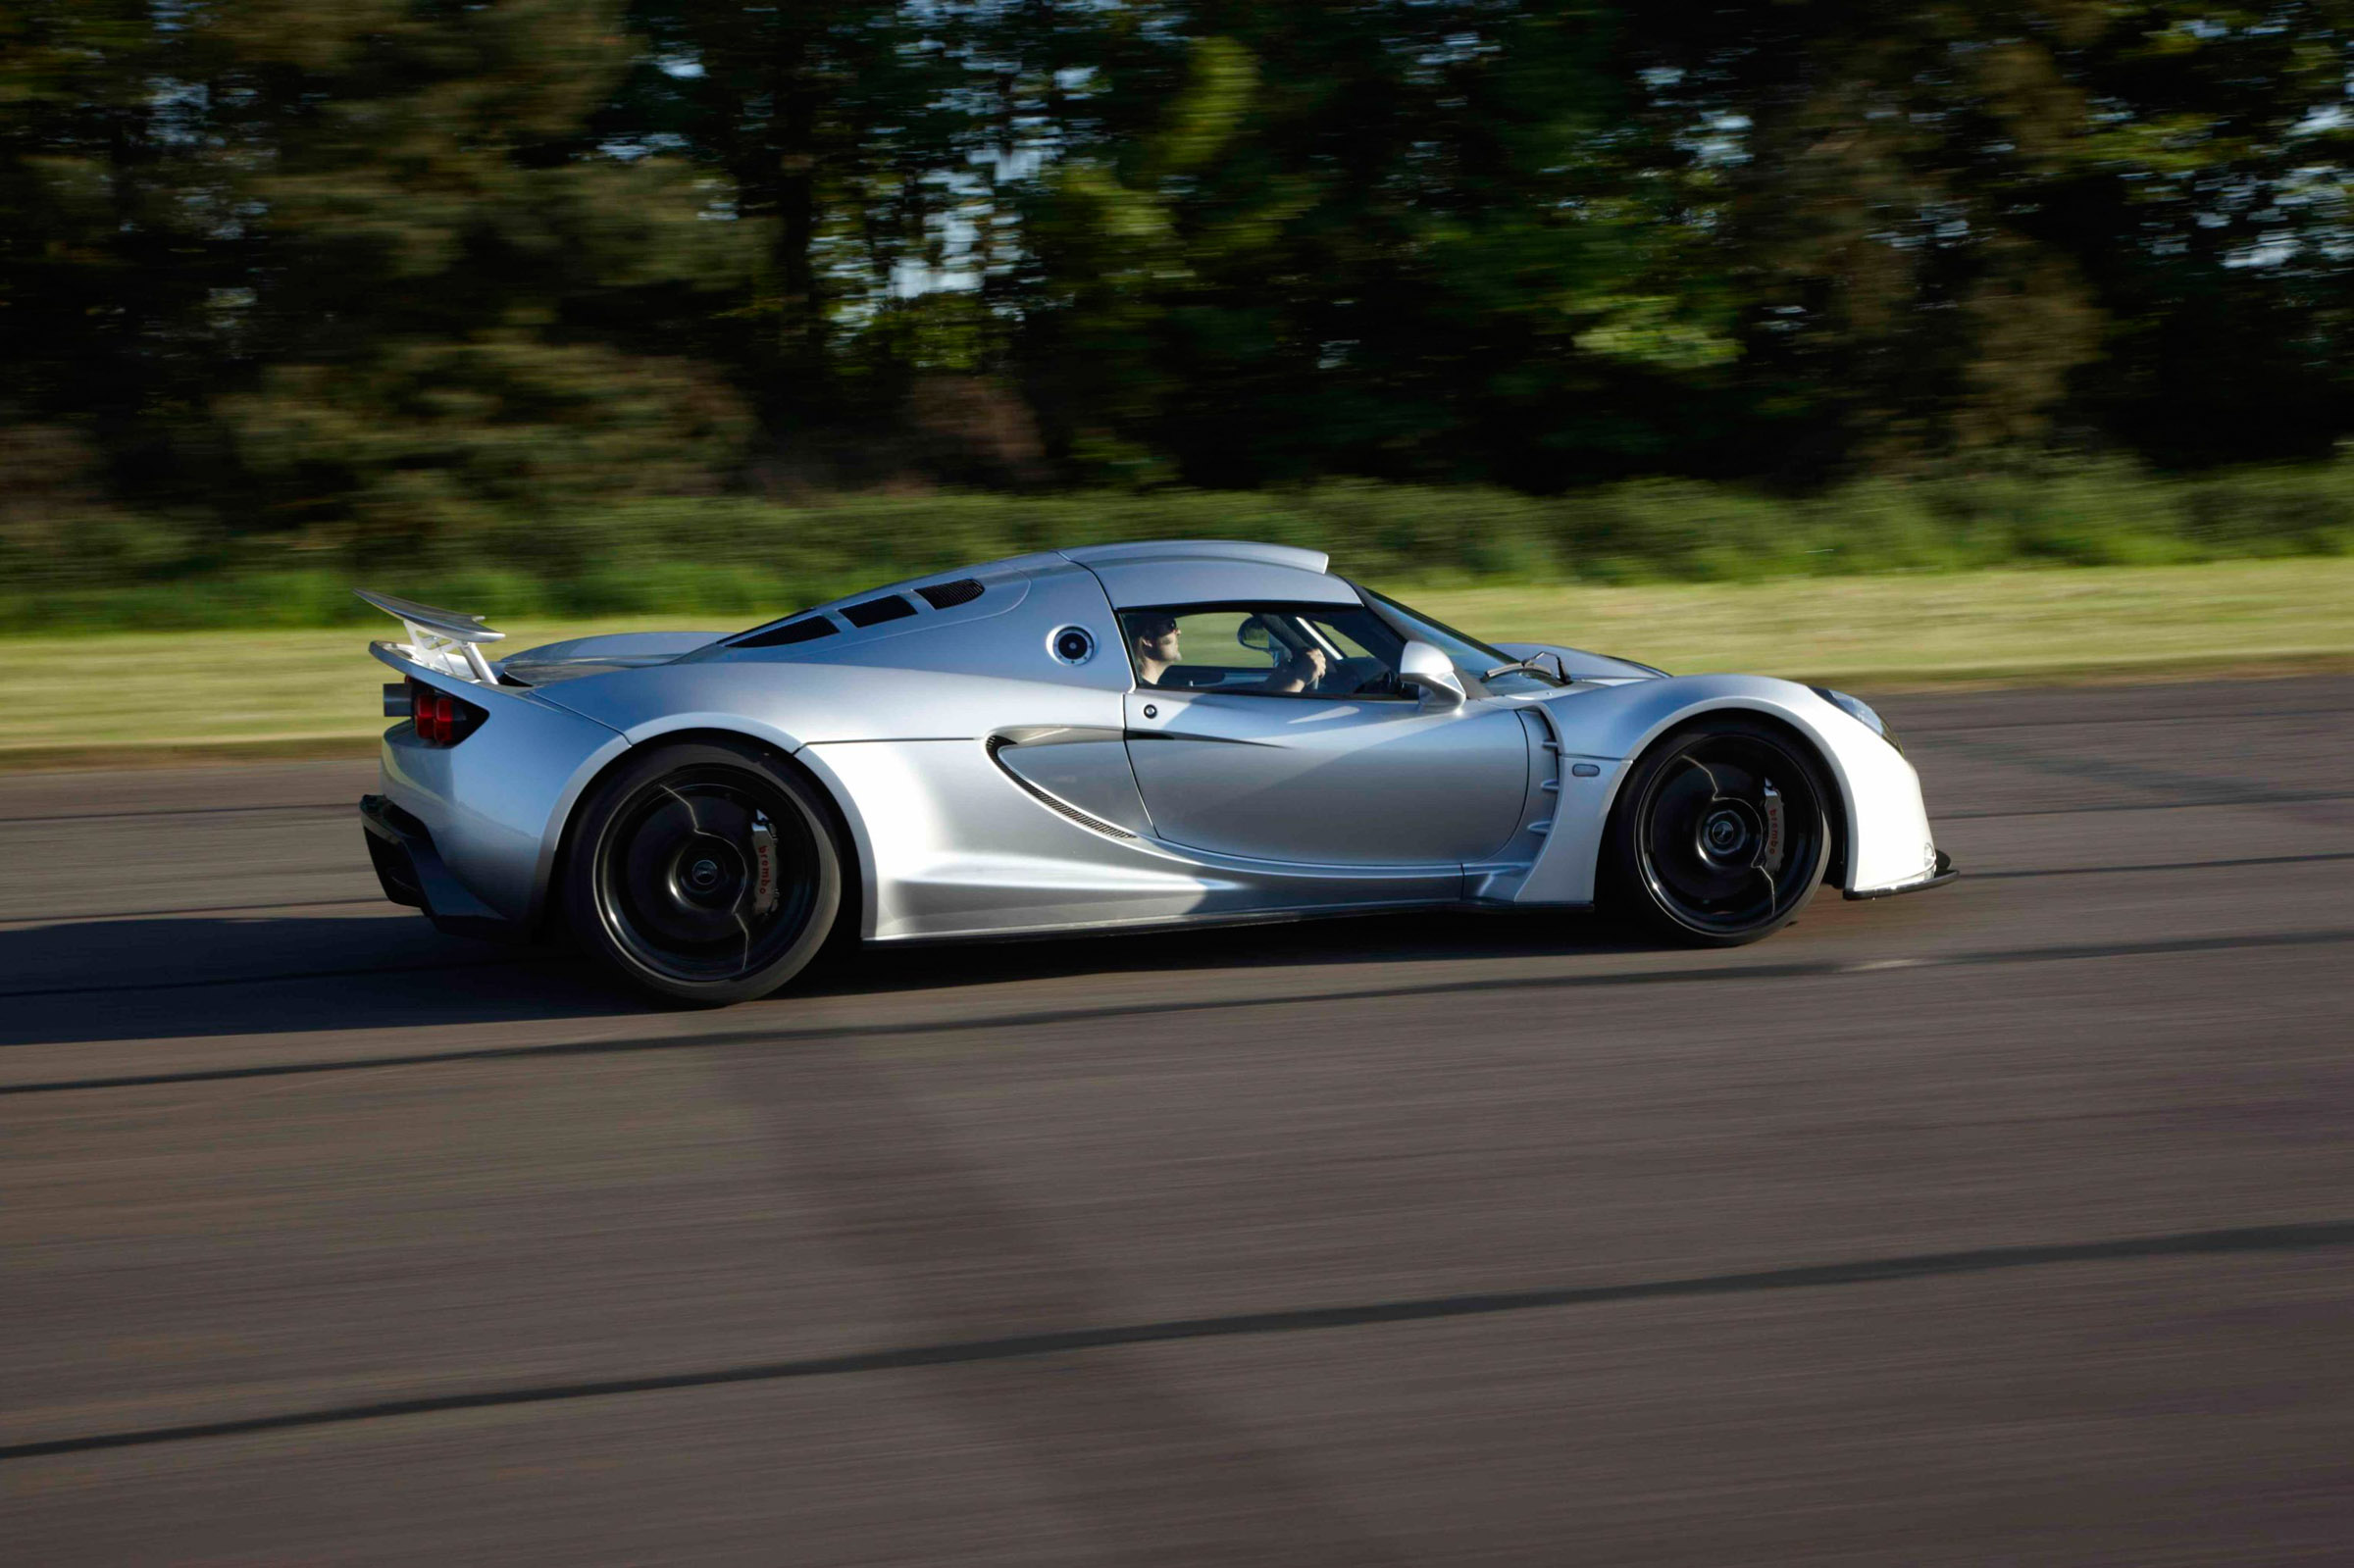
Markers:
point(1310, 667)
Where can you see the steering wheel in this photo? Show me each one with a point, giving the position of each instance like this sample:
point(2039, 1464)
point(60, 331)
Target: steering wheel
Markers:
point(1359, 678)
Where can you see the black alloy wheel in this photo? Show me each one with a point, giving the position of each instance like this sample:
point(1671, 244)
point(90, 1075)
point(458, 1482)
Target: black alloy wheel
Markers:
point(1722, 831)
point(703, 872)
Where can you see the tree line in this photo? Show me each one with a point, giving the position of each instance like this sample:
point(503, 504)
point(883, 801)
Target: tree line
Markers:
point(383, 269)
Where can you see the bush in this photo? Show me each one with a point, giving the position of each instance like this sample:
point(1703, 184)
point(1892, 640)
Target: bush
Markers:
point(729, 561)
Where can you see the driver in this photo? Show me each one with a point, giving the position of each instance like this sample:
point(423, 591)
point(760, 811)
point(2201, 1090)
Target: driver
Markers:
point(1155, 636)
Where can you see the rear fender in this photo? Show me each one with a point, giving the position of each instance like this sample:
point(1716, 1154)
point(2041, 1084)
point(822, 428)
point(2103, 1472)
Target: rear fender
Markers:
point(731, 728)
point(495, 802)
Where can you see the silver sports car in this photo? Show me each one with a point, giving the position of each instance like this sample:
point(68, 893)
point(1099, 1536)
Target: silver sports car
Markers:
point(1133, 735)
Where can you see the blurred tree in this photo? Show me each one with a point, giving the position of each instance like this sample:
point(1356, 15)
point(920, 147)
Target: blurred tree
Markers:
point(1400, 239)
point(848, 132)
point(117, 242)
point(450, 276)
point(879, 147)
point(253, 228)
point(376, 262)
point(1979, 224)
point(2207, 203)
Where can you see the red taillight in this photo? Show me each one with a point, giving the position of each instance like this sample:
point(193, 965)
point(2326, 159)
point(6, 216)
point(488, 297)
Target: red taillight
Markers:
point(440, 719)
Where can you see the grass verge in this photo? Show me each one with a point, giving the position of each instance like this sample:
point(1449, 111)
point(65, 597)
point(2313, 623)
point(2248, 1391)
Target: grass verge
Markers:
point(107, 700)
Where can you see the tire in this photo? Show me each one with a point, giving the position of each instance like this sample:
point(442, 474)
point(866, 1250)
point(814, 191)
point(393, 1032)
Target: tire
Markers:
point(1721, 833)
point(663, 875)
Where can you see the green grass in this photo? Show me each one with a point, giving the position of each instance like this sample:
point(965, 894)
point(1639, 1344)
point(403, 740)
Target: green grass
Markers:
point(2009, 628)
point(164, 695)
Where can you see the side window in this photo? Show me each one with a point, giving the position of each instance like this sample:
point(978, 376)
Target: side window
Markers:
point(1336, 628)
point(1231, 639)
point(1263, 649)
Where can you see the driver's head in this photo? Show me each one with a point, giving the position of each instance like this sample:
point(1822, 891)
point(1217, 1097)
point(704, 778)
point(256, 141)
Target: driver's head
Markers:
point(1155, 636)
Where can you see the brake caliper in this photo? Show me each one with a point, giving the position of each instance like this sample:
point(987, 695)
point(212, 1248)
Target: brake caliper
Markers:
point(1772, 859)
point(764, 866)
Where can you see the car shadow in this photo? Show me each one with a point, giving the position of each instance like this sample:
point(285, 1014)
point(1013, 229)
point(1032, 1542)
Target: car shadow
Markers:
point(185, 977)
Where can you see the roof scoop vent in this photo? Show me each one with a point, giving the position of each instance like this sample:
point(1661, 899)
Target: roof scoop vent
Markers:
point(806, 630)
point(948, 595)
point(874, 612)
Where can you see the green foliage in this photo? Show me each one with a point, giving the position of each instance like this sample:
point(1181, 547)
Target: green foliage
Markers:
point(738, 562)
point(350, 259)
point(438, 439)
point(1400, 241)
point(303, 277)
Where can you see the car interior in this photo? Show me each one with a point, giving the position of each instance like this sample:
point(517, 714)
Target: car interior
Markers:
point(1241, 648)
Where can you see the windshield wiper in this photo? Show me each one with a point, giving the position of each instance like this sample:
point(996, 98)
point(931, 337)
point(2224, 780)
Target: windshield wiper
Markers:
point(1558, 674)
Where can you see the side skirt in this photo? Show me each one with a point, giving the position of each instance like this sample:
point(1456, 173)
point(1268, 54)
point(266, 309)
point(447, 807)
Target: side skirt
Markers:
point(1208, 922)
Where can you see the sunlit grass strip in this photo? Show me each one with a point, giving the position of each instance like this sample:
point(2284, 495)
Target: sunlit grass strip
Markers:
point(167, 694)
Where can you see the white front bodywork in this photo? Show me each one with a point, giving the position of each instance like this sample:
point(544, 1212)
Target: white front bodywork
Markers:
point(1609, 727)
point(988, 786)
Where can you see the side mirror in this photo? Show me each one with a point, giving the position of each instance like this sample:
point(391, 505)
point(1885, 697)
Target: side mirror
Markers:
point(1430, 672)
point(1253, 635)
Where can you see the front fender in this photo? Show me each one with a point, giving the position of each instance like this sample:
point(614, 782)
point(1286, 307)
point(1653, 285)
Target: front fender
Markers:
point(1888, 842)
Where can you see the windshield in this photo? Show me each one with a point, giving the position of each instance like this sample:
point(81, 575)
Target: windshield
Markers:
point(1466, 650)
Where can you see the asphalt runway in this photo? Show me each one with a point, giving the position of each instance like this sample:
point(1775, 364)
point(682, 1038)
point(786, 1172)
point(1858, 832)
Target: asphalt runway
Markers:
point(2013, 1222)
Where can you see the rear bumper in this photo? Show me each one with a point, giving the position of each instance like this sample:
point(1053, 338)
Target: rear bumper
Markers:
point(1941, 873)
point(412, 872)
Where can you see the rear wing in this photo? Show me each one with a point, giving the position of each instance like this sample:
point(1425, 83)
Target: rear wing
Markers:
point(442, 639)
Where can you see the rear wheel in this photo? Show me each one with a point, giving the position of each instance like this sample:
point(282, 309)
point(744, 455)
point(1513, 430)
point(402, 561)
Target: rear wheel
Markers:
point(1721, 835)
point(705, 872)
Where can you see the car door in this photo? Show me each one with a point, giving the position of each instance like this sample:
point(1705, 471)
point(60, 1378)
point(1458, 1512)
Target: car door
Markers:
point(1367, 779)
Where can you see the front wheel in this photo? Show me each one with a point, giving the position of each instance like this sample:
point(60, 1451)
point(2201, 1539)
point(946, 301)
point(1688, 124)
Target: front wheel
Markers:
point(1721, 835)
point(706, 873)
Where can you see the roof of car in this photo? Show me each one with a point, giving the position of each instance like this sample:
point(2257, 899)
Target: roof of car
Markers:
point(1148, 572)
point(1285, 555)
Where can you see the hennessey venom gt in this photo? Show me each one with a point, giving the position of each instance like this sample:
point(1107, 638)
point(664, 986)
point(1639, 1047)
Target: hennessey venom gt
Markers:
point(1127, 735)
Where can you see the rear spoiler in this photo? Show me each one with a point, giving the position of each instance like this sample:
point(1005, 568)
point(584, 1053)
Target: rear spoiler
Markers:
point(442, 639)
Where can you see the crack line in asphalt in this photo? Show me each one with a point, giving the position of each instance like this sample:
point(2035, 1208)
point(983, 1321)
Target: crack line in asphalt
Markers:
point(1049, 1017)
point(178, 811)
point(2170, 865)
point(2297, 1238)
point(36, 921)
point(2275, 797)
point(264, 980)
point(2152, 781)
point(2226, 718)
